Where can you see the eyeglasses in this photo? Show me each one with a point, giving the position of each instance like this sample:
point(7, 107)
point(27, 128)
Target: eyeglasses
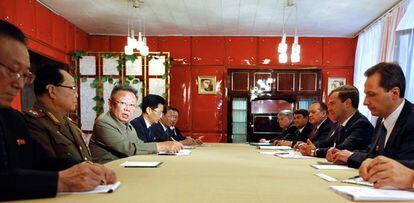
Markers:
point(159, 113)
point(74, 88)
point(27, 77)
point(172, 116)
point(124, 104)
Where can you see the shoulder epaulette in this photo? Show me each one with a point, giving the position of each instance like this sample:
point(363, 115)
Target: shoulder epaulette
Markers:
point(53, 117)
point(36, 113)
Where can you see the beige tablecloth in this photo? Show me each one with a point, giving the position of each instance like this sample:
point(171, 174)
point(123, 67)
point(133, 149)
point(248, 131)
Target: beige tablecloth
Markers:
point(219, 173)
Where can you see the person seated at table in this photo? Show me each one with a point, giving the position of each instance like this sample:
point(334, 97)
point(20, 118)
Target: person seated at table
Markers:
point(285, 120)
point(385, 172)
point(113, 135)
point(20, 156)
point(300, 119)
point(394, 132)
point(165, 129)
point(318, 117)
point(48, 120)
point(352, 132)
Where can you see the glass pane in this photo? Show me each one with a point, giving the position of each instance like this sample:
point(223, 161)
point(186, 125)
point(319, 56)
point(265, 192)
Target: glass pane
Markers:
point(239, 103)
point(239, 128)
point(239, 116)
point(239, 138)
point(305, 103)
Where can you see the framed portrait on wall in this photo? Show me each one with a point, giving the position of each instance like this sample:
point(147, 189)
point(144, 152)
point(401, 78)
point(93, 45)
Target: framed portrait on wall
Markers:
point(206, 84)
point(334, 83)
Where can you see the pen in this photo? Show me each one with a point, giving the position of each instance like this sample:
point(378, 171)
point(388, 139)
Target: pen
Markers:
point(353, 177)
point(173, 139)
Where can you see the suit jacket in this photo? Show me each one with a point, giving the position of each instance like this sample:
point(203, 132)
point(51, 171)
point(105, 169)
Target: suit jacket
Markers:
point(160, 134)
point(113, 140)
point(304, 135)
point(19, 177)
point(176, 134)
point(290, 132)
point(355, 135)
point(60, 138)
point(143, 132)
point(400, 145)
point(322, 132)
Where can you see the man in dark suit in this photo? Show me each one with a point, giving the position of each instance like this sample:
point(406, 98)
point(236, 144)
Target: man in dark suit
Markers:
point(318, 117)
point(152, 110)
point(19, 154)
point(285, 120)
point(352, 132)
point(301, 121)
point(165, 129)
point(394, 131)
point(153, 107)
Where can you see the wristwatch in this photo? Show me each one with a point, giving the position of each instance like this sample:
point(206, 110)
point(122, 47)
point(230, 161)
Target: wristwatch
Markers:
point(313, 152)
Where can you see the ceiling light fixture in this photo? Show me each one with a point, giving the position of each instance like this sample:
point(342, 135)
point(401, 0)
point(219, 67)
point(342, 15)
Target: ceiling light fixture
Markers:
point(283, 47)
point(139, 44)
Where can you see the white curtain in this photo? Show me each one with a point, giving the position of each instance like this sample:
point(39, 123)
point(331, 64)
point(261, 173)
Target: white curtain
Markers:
point(382, 43)
point(368, 53)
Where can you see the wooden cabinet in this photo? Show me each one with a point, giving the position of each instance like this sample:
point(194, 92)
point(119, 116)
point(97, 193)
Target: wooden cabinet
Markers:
point(308, 82)
point(59, 34)
point(285, 82)
point(25, 16)
point(285, 89)
point(8, 10)
point(240, 81)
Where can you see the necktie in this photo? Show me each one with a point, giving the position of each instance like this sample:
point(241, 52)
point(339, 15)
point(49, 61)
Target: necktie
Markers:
point(3, 153)
point(382, 133)
point(312, 134)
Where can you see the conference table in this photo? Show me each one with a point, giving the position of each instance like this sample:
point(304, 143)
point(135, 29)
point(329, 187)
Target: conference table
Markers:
point(219, 172)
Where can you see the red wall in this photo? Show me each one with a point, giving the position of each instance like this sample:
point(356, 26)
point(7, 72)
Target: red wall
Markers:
point(200, 115)
point(206, 115)
point(48, 34)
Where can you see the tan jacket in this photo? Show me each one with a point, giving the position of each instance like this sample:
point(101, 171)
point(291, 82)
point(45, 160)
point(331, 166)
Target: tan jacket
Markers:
point(60, 138)
point(113, 140)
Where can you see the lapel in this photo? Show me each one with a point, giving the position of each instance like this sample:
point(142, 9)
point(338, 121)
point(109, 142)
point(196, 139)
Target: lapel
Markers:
point(350, 123)
point(398, 126)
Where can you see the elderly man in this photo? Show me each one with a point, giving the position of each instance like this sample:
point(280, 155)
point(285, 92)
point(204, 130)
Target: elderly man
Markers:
point(165, 129)
point(56, 94)
point(285, 120)
point(19, 174)
point(352, 132)
point(394, 131)
point(300, 119)
point(113, 135)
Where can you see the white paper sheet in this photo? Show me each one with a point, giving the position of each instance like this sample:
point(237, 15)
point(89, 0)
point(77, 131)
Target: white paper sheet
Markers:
point(274, 152)
point(357, 181)
point(156, 86)
point(109, 66)
point(100, 189)
point(87, 65)
point(330, 167)
point(183, 152)
point(156, 66)
point(134, 68)
point(292, 155)
point(88, 115)
point(274, 147)
point(361, 193)
point(140, 164)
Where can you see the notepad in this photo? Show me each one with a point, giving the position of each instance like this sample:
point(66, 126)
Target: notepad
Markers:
point(268, 152)
point(330, 167)
point(183, 152)
point(360, 193)
point(139, 164)
point(100, 189)
point(293, 156)
point(274, 147)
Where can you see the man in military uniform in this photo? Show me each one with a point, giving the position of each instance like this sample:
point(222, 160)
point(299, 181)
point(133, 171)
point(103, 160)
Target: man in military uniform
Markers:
point(56, 94)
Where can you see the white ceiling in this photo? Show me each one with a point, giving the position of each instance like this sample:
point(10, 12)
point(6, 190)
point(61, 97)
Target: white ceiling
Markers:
point(342, 18)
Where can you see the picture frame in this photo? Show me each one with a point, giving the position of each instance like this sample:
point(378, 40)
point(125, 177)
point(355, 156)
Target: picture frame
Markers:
point(206, 84)
point(335, 82)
